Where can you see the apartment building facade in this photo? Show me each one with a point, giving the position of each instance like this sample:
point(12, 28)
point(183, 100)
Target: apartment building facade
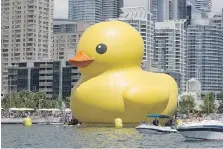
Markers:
point(161, 10)
point(66, 34)
point(111, 8)
point(55, 78)
point(27, 29)
point(205, 55)
point(203, 5)
point(170, 49)
point(141, 20)
point(94, 11)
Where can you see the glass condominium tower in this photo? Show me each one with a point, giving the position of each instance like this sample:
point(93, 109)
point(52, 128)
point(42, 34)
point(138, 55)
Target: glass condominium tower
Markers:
point(85, 10)
point(111, 8)
point(202, 5)
point(161, 10)
point(205, 56)
point(94, 10)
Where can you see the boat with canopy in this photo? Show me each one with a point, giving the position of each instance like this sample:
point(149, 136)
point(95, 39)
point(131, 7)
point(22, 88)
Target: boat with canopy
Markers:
point(155, 127)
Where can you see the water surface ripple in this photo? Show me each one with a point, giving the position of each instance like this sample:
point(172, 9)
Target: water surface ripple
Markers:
point(57, 136)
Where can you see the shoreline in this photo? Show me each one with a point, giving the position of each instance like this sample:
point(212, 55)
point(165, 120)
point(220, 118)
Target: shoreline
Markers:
point(34, 120)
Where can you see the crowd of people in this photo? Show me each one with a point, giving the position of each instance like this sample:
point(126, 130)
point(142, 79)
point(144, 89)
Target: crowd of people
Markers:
point(23, 114)
point(66, 118)
point(188, 117)
point(70, 120)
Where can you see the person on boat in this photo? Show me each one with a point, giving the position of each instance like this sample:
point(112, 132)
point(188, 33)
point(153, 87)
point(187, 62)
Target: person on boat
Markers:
point(143, 122)
point(79, 124)
point(174, 122)
point(168, 123)
point(73, 121)
point(156, 122)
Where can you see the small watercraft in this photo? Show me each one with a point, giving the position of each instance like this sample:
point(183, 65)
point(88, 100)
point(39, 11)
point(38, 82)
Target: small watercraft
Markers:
point(148, 128)
point(151, 128)
point(204, 130)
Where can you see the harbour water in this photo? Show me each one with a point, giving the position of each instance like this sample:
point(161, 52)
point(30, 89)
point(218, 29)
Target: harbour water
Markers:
point(58, 136)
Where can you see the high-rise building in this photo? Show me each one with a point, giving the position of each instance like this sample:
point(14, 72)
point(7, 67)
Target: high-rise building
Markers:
point(55, 78)
point(141, 20)
point(161, 9)
point(189, 13)
point(170, 48)
point(193, 13)
point(203, 5)
point(94, 10)
point(217, 19)
point(85, 10)
point(66, 34)
point(205, 55)
point(26, 32)
point(179, 9)
point(111, 8)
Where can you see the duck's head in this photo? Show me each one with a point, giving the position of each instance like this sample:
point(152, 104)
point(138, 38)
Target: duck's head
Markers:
point(107, 45)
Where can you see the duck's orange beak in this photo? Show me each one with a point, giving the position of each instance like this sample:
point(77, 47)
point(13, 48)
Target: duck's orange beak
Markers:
point(81, 60)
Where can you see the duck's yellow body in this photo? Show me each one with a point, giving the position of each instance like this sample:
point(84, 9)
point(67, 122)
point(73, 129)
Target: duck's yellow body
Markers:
point(112, 83)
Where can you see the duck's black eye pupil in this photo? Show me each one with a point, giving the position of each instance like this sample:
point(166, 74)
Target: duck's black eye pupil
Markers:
point(101, 48)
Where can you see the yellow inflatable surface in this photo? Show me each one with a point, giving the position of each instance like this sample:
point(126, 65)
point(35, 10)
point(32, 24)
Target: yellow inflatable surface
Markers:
point(112, 83)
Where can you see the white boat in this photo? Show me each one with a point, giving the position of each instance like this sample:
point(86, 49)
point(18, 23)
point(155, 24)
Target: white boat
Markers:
point(151, 129)
point(204, 130)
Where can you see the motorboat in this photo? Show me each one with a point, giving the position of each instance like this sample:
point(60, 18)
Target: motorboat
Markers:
point(204, 130)
point(151, 129)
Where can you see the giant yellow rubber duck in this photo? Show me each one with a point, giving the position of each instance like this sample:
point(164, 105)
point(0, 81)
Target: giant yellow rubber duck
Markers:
point(112, 83)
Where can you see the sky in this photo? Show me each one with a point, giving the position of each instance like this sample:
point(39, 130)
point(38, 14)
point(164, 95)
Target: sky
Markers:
point(61, 6)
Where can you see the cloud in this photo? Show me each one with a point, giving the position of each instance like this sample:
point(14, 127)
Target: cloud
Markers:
point(136, 3)
point(217, 5)
point(60, 8)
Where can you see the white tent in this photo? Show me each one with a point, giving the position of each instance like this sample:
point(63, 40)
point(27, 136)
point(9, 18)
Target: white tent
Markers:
point(49, 110)
point(21, 109)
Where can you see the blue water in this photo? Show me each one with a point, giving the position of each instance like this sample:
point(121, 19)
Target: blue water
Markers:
point(52, 136)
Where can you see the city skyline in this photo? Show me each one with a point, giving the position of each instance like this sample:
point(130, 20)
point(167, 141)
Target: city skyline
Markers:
point(61, 6)
point(168, 39)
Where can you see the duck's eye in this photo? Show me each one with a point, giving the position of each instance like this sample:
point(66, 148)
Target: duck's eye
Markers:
point(101, 48)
